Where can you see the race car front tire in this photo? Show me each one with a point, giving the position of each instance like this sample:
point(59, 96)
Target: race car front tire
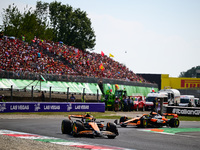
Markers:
point(143, 123)
point(112, 128)
point(174, 123)
point(66, 126)
point(77, 127)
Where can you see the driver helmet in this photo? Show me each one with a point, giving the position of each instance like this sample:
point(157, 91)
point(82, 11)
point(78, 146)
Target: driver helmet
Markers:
point(88, 117)
point(87, 114)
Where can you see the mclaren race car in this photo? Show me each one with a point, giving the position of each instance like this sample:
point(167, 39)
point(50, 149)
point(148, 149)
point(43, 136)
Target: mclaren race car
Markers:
point(150, 120)
point(86, 125)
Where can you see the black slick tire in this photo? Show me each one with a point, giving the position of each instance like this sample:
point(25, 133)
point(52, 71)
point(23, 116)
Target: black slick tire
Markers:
point(174, 123)
point(77, 127)
point(143, 123)
point(112, 128)
point(66, 126)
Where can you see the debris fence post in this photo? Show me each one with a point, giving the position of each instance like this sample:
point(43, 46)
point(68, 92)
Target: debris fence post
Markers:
point(97, 95)
point(11, 93)
point(67, 94)
point(50, 93)
point(32, 93)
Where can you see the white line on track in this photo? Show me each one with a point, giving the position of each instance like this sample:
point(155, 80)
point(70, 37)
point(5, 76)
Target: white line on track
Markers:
point(58, 141)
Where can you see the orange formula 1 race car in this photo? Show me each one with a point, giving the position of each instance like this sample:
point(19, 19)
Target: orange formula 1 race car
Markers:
point(150, 120)
point(88, 126)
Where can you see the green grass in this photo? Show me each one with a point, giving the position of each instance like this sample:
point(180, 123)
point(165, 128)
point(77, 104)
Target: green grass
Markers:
point(189, 118)
point(98, 115)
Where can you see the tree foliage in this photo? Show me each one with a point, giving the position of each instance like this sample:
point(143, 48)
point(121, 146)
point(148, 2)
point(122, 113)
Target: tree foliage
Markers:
point(27, 24)
point(53, 21)
point(191, 72)
point(72, 26)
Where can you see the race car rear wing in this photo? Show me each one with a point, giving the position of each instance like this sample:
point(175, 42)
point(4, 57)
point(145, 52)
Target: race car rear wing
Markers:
point(75, 116)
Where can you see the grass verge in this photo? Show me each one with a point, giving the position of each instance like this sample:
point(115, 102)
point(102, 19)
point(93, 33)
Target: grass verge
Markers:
point(98, 115)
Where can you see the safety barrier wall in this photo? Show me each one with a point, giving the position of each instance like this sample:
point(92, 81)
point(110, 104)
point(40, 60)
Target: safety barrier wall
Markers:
point(73, 87)
point(183, 111)
point(50, 107)
point(59, 86)
point(70, 78)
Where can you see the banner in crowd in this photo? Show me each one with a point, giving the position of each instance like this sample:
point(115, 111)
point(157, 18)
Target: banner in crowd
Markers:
point(183, 111)
point(50, 107)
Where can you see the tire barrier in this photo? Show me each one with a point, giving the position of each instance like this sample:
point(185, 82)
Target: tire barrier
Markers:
point(50, 107)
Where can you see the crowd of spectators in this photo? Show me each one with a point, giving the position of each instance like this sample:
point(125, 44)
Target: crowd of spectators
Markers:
point(17, 55)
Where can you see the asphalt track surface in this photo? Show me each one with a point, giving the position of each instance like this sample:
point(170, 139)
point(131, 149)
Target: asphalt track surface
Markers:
point(130, 137)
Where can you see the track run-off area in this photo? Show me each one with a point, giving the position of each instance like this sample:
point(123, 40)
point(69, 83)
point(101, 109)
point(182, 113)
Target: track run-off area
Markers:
point(48, 130)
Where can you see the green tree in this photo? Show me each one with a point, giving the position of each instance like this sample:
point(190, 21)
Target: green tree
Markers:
point(52, 21)
point(27, 23)
point(72, 26)
point(11, 20)
point(42, 13)
point(191, 72)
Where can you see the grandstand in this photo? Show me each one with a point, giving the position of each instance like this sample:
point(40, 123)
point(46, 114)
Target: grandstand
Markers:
point(57, 58)
point(56, 61)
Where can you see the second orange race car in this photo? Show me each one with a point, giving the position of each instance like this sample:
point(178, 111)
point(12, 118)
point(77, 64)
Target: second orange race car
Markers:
point(150, 120)
point(88, 126)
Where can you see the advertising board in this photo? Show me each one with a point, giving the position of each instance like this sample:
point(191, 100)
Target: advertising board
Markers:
point(183, 111)
point(50, 107)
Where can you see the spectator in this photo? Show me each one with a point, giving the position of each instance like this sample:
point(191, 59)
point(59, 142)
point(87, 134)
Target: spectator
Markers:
point(61, 60)
point(83, 98)
point(117, 101)
point(2, 98)
point(42, 97)
point(72, 98)
point(154, 106)
point(125, 102)
point(130, 103)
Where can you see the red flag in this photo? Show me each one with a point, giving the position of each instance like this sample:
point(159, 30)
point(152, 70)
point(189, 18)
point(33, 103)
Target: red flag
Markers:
point(102, 54)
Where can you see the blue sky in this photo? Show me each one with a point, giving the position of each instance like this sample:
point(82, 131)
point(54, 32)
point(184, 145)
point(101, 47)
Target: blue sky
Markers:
point(149, 36)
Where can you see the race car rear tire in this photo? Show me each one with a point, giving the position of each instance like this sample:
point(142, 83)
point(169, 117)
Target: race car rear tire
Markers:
point(143, 123)
point(66, 126)
point(174, 123)
point(79, 127)
point(123, 119)
point(112, 128)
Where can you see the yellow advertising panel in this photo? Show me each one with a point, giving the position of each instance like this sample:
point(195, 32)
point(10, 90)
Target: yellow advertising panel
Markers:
point(179, 83)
